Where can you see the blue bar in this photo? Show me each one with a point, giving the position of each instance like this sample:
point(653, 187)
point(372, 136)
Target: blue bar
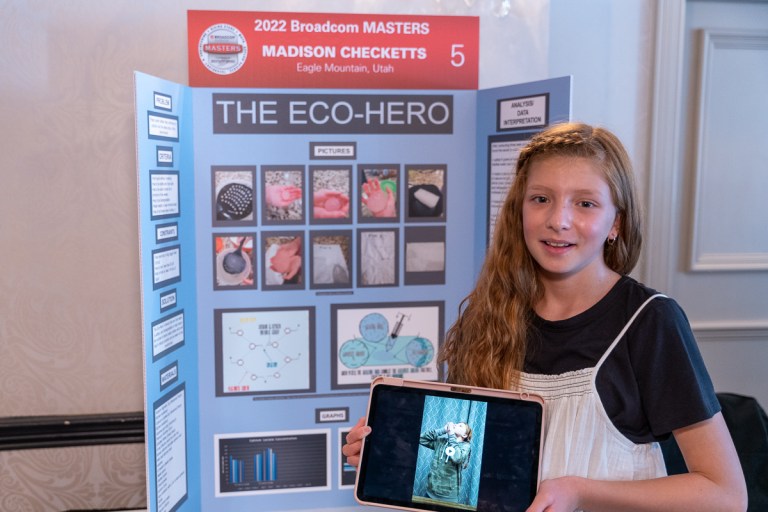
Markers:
point(274, 466)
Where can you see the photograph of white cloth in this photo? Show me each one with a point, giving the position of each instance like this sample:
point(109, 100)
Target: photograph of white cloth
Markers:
point(270, 276)
point(329, 265)
point(425, 257)
point(377, 257)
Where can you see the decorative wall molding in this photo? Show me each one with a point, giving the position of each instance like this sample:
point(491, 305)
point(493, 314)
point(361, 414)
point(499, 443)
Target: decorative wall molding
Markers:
point(717, 47)
point(34, 432)
point(730, 331)
point(733, 261)
point(665, 141)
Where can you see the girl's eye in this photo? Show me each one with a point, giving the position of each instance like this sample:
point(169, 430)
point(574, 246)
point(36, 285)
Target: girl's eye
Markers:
point(539, 199)
point(586, 204)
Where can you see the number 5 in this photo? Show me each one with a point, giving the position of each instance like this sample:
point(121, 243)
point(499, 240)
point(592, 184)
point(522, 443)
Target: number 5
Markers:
point(457, 57)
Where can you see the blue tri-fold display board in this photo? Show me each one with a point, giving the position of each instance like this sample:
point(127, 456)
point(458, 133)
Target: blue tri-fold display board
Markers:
point(295, 244)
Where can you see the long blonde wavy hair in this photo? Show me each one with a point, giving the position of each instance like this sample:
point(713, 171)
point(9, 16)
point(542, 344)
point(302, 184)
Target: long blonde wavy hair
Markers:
point(486, 345)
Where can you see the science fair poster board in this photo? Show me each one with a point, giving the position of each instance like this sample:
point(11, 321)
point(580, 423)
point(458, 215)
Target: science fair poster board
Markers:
point(295, 244)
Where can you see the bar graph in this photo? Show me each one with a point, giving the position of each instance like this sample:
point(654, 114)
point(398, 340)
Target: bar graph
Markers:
point(273, 462)
point(265, 466)
point(236, 470)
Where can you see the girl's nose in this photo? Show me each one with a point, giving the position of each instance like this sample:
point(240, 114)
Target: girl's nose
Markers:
point(559, 217)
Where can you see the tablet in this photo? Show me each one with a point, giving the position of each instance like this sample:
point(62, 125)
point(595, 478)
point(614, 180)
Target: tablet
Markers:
point(436, 446)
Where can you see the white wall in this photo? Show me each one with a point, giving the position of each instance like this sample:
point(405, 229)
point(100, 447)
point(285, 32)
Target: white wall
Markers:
point(608, 48)
point(709, 241)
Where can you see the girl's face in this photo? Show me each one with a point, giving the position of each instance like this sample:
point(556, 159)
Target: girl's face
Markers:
point(460, 430)
point(568, 213)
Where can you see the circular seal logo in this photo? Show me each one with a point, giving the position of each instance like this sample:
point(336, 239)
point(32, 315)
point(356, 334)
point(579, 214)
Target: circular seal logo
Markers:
point(222, 49)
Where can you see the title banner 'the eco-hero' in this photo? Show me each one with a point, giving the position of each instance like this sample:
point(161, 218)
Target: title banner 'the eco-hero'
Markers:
point(332, 113)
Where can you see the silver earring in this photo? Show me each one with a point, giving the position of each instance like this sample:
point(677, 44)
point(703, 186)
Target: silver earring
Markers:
point(612, 241)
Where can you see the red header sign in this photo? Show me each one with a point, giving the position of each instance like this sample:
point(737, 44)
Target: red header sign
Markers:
point(313, 50)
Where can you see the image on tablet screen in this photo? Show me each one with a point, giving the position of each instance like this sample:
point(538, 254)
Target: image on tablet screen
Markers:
point(450, 452)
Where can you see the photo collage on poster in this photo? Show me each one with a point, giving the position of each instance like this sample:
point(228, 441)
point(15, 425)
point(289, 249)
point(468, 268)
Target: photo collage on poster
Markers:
point(326, 228)
point(327, 196)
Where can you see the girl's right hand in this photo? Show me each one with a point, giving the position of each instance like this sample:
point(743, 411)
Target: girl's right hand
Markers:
point(355, 442)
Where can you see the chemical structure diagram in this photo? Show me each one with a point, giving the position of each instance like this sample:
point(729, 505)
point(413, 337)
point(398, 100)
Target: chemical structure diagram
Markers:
point(266, 356)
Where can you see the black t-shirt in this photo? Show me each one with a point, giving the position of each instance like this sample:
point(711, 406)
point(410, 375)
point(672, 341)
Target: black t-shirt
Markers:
point(653, 382)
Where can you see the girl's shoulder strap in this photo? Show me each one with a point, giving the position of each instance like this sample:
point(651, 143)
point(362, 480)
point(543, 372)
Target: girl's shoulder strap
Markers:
point(625, 328)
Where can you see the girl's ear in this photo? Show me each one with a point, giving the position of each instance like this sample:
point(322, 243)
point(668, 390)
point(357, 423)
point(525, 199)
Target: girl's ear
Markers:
point(616, 228)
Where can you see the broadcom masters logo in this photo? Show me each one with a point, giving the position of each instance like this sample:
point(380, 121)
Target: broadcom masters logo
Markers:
point(222, 49)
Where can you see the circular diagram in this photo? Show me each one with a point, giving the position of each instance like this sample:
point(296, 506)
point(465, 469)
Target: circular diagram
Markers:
point(419, 352)
point(353, 354)
point(374, 327)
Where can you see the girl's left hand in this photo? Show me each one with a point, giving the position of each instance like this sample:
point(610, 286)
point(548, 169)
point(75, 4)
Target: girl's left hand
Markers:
point(354, 442)
point(557, 495)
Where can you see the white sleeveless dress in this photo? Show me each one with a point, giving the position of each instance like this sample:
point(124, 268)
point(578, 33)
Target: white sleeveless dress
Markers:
point(580, 439)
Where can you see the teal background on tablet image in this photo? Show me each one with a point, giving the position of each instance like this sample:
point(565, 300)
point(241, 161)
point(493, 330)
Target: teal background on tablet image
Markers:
point(442, 460)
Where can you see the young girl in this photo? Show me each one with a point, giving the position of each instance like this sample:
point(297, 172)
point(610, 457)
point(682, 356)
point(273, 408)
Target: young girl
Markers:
point(554, 313)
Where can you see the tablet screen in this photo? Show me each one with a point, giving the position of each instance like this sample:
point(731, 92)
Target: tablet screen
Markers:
point(437, 449)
